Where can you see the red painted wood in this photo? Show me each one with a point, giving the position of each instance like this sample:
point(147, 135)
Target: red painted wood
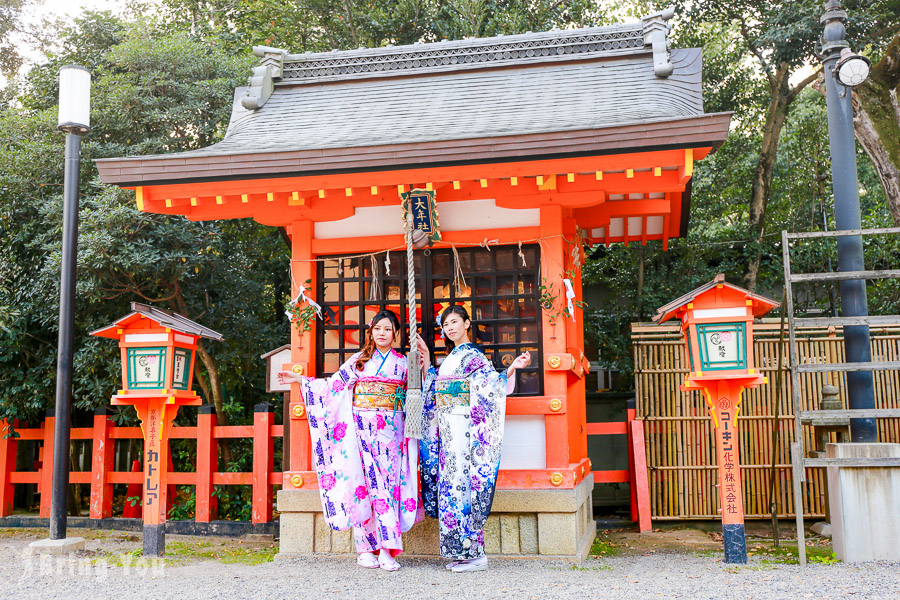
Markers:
point(642, 482)
point(126, 433)
point(183, 433)
point(126, 477)
point(611, 476)
point(47, 467)
point(25, 477)
point(532, 405)
point(79, 477)
point(8, 447)
point(263, 465)
point(207, 464)
point(36, 433)
point(101, 465)
point(233, 478)
point(606, 428)
point(181, 478)
point(81, 433)
point(233, 431)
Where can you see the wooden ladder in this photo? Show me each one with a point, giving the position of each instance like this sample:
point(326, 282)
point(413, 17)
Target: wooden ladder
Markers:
point(799, 460)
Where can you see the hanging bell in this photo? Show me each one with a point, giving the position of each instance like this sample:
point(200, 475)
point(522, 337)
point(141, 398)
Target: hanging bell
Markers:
point(419, 239)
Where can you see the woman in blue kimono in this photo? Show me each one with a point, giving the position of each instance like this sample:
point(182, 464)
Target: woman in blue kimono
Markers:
point(465, 408)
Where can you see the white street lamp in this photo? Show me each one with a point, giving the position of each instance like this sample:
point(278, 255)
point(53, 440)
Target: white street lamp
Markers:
point(852, 69)
point(75, 120)
point(74, 99)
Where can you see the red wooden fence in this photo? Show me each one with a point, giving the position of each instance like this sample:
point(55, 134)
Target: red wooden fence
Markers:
point(102, 477)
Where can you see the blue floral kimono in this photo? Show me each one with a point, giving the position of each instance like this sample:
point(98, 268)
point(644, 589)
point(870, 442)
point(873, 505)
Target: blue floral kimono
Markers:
point(465, 408)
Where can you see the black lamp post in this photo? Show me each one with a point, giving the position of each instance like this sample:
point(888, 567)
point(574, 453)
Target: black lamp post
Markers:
point(845, 70)
point(74, 120)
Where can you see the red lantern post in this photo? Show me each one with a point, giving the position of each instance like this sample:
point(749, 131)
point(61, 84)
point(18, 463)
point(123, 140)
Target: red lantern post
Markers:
point(717, 320)
point(158, 349)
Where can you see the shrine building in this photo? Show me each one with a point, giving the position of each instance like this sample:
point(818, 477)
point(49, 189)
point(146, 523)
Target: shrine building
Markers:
point(534, 145)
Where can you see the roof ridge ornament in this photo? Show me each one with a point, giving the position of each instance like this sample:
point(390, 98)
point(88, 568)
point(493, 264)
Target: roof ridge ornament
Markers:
point(262, 78)
point(656, 35)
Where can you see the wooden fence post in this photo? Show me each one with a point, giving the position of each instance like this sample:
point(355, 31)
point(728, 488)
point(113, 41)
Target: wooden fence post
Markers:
point(8, 447)
point(263, 462)
point(47, 463)
point(642, 485)
point(101, 465)
point(207, 463)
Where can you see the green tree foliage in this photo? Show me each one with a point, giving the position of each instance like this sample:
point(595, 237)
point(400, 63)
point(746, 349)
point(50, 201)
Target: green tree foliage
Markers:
point(151, 94)
point(322, 25)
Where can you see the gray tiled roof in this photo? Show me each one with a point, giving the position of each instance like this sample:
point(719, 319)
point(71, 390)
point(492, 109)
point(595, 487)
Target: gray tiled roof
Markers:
point(503, 98)
point(468, 104)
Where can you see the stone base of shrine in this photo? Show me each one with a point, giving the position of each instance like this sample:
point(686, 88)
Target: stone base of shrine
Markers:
point(551, 524)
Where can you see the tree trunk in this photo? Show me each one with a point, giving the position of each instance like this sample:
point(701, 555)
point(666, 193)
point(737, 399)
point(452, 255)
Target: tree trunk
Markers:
point(876, 123)
point(213, 388)
point(779, 102)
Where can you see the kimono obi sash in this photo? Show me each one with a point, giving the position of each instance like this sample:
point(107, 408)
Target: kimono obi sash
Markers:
point(451, 392)
point(379, 393)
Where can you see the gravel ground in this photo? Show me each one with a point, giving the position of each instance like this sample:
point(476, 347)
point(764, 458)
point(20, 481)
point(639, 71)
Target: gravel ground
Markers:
point(663, 574)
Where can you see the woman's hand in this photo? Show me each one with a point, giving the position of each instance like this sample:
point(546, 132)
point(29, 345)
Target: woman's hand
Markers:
point(289, 377)
point(424, 354)
point(521, 361)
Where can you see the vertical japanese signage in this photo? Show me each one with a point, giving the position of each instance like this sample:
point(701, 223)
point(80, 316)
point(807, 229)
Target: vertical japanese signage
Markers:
point(424, 212)
point(729, 463)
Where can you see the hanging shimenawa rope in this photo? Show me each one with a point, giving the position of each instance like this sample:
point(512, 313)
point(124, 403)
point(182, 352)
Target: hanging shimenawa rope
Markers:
point(415, 404)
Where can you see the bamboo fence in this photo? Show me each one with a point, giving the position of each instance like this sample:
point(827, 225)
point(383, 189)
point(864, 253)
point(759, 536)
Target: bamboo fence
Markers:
point(681, 455)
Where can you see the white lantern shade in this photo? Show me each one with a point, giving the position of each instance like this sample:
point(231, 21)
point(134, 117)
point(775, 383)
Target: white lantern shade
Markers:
point(74, 99)
point(852, 69)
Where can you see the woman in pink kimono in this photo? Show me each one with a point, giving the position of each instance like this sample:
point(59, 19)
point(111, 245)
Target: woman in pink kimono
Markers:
point(367, 470)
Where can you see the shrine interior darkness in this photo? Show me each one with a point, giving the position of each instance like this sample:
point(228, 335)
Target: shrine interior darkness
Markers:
point(499, 293)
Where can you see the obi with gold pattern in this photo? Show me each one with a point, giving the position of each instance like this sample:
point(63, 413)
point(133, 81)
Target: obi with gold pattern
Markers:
point(379, 394)
point(451, 392)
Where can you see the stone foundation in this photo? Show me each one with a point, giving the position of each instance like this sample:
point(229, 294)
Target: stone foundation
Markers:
point(865, 503)
point(555, 523)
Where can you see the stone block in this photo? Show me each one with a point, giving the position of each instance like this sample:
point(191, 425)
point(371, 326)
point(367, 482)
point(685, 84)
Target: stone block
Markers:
point(342, 542)
point(296, 533)
point(822, 528)
point(865, 504)
point(492, 534)
point(557, 534)
point(299, 501)
point(528, 534)
point(56, 547)
point(509, 534)
point(322, 535)
point(422, 539)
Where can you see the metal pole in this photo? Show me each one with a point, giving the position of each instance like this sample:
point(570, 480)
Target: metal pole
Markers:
point(59, 502)
point(857, 347)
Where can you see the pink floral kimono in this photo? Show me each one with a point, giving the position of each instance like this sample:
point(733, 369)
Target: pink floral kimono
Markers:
point(368, 472)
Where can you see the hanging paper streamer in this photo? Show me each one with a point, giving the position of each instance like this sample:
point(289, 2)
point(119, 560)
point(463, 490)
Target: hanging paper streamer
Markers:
point(459, 280)
point(487, 243)
point(577, 248)
point(522, 255)
point(375, 288)
point(301, 296)
point(570, 297)
point(387, 262)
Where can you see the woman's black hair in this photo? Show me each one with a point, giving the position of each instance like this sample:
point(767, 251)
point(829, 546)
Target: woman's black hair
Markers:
point(454, 309)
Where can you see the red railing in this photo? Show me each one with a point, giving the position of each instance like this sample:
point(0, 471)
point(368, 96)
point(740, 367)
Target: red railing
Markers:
point(636, 475)
point(102, 477)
